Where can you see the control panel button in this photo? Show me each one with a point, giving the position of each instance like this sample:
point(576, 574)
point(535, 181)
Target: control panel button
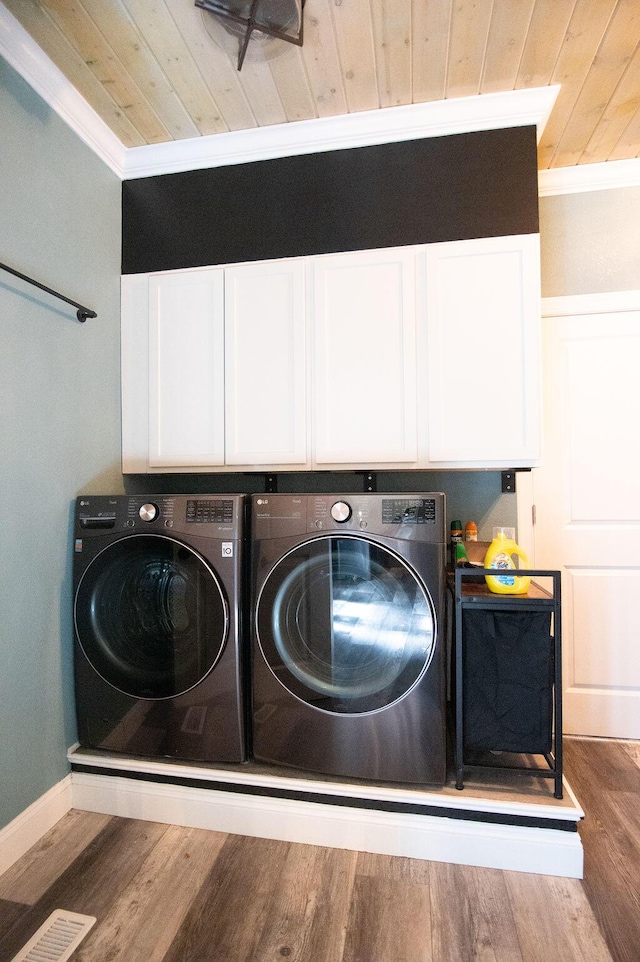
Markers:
point(148, 512)
point(209, 511)
point(340, 511)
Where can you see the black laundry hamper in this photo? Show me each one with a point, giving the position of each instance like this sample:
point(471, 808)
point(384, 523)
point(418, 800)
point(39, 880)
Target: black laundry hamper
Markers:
point(508, 677)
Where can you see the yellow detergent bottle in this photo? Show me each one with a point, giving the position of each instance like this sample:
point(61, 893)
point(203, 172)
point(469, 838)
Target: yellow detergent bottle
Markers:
point(503, 552)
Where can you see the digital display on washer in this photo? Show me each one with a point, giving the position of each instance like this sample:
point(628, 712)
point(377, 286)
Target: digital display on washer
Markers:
point(409, 511)
point(209, 511)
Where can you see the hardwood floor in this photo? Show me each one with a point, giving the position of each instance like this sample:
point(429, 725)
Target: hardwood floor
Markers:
point(168, 894)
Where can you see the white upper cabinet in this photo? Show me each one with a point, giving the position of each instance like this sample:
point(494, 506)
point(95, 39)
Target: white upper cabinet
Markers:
point(214, 368)
point(265, 364)
point(364, 358)
point(480, 318)
point(412, 357)
point(186, 369)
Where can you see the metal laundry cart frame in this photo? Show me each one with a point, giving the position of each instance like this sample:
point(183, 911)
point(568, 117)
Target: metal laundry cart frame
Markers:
point(475, 595)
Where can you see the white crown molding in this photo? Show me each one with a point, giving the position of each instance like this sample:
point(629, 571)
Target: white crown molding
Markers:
point(33, 65)
point(588, 177)
point(390, 125)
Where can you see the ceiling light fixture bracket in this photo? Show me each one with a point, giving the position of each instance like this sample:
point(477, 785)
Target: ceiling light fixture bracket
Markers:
point(276, 19)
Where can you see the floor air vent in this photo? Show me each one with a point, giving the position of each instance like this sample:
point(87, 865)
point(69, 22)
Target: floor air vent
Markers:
point(57, 939)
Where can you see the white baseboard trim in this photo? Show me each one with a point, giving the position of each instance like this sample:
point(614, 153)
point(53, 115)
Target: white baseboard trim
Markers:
point(18, 836)
point(524, 849)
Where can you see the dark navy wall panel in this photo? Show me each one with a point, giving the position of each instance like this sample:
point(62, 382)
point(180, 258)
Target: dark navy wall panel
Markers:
point(481, 184)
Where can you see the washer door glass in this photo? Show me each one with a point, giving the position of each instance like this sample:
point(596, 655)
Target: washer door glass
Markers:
point(151, 616)
point(345, 624)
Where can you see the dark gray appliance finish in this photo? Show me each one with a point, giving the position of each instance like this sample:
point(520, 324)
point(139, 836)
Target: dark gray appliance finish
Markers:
point(158, 619)
point(348, 647)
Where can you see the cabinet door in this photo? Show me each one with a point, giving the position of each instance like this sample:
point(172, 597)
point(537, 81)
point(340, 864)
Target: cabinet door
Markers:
point(363, 311)
point(482, 312)
point(186, 369)
point(265, 364)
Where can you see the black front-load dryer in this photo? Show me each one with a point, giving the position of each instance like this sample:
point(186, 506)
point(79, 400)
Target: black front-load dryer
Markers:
point(157, 611)
point(348, 647)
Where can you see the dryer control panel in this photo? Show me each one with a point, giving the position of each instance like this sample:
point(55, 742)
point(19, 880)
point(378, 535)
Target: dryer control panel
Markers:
point(415, 517)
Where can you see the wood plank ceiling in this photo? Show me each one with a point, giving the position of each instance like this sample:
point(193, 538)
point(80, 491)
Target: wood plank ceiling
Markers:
point(153, 72)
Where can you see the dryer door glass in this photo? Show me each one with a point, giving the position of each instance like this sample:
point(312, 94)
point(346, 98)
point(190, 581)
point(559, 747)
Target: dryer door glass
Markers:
point(151, 616)
point(345, 624)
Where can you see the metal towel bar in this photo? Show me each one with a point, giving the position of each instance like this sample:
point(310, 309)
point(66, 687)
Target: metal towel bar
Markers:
point(82, 312)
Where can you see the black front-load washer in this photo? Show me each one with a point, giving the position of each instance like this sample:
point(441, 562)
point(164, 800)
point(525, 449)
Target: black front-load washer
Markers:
point(348, 668)
point(157, 610)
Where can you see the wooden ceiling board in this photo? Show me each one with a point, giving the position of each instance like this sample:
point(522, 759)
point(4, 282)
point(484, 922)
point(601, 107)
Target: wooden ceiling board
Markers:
point(392, 40)
point(46, 34)
point(155, 71)
point(431, 23)
point(290, 78)
point(628, 144)
point(219, 73)
point(262, 93)
point(354, 32)
point(585, 33)
point(609, 66)
point(156, 24)
point(617, 118)
point(81, 31)
point(546, 34)
point(321, 60)
point(467, 45)
point(508, 31)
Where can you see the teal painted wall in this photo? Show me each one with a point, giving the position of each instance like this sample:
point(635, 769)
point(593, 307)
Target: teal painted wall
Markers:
point(59, 418)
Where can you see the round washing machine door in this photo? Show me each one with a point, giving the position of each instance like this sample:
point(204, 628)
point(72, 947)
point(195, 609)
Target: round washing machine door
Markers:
point(345, 624)
point(151, 616)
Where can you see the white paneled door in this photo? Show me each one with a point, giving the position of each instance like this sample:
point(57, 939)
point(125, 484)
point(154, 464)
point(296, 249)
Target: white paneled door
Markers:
point(587, 497)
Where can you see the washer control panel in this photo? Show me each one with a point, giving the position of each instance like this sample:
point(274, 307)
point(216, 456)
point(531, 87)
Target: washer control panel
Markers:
point(207, 516)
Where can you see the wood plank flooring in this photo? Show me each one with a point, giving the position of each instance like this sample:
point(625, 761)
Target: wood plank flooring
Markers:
point(168, 894)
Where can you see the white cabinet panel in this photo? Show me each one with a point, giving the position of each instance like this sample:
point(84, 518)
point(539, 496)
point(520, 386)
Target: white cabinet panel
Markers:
point(186, 369)
point(363, 308)
point(482, 310)
point(134, 370)
point(265, 365)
